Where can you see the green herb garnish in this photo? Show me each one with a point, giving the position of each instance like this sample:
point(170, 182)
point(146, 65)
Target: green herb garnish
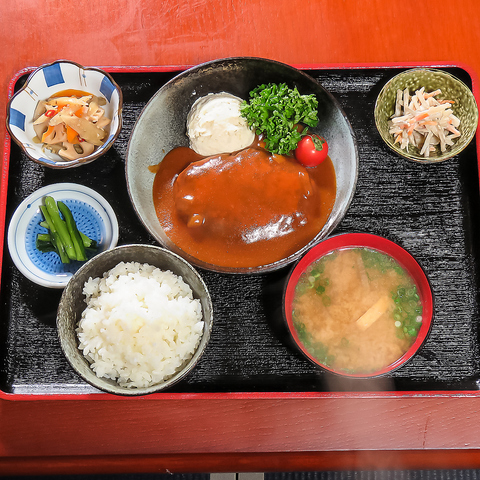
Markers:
point(276, 111)
point(408, 311)
point(315, 348)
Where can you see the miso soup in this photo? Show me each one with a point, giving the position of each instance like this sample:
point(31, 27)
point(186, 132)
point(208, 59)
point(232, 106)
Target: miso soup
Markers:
point(356, 310)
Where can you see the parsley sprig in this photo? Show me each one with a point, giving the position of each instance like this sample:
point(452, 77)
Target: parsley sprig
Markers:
point(275, 110)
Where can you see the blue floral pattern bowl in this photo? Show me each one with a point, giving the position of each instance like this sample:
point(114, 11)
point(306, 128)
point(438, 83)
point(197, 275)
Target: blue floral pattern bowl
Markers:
point(47, 81)
point(93, 215)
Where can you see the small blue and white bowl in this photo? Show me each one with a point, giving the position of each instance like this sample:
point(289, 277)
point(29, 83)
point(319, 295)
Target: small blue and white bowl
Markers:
point(92, 213)
point(48, 80)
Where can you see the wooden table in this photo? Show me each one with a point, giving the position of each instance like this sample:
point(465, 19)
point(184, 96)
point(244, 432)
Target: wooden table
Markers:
point(233, 433)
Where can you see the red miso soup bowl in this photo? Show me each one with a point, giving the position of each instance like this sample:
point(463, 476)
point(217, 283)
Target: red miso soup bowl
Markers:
point(358, 305)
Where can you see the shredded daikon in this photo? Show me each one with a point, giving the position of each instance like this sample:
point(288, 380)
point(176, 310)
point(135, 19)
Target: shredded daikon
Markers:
point(423, 121)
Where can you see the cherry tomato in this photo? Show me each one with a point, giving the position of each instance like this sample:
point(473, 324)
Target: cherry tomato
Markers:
point(311, 150)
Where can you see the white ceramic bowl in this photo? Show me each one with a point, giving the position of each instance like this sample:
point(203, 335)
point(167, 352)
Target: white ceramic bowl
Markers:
point(48, 80)
point(94, 217)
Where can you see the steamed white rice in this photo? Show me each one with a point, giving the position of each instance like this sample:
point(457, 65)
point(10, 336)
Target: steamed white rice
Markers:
point(140, 326)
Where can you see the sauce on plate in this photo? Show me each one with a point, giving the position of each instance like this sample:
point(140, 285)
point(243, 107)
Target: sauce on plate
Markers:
point(244, 209)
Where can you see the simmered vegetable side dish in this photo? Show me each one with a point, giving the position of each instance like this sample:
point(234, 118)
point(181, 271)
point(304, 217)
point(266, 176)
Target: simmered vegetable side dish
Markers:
point(71, 126)
point(357, 310)
point(63, 236)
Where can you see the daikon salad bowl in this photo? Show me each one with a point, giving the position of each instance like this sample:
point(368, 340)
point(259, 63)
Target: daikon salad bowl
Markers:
point(464, 107)
point(47, 81)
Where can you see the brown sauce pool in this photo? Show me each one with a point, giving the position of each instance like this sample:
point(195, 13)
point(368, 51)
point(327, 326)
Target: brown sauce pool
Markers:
point(241, 210)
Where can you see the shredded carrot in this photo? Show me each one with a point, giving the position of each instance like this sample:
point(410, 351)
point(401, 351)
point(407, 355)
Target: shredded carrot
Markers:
point(421, 116)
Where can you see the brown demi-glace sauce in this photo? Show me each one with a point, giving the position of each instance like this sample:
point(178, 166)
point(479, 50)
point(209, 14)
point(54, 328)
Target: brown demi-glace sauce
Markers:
point(241, 210)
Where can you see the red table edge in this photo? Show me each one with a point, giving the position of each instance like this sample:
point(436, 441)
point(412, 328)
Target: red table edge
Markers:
point(240, 395)
point(238, 462)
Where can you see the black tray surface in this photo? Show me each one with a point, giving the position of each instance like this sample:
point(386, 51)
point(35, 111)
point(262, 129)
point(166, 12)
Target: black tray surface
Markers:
point(430, 210)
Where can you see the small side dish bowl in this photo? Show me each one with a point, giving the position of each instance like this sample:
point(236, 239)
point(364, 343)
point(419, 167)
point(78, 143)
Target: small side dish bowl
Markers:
point(94, 217)
point(72, 304)
point(464, 108)
point(378, 311)
point(65, 78)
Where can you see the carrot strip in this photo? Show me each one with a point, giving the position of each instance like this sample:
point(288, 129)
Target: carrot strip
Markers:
point(47, 132)
point(72, 135)
point(421, 116)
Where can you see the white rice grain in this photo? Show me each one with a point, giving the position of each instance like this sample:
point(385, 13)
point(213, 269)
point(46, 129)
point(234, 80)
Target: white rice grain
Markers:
point(140, 326)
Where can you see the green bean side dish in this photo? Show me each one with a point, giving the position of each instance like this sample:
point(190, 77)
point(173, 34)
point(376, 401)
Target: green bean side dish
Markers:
point(63, 236)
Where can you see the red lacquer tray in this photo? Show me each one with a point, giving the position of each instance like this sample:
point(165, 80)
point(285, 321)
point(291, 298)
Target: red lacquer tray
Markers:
point(430, 210)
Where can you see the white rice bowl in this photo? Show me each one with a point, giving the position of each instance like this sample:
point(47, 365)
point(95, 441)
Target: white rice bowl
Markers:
point(141, 324)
